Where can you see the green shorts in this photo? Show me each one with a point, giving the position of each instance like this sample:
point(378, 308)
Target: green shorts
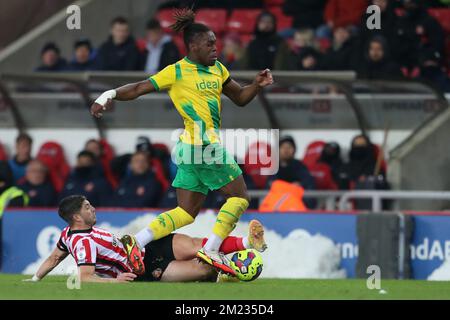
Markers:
point(203, 168)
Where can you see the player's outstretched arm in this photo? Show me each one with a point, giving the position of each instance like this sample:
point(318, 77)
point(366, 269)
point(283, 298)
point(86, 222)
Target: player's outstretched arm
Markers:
point(55, 258)
point(87, 274)
point(127, 92)
point(243, 95)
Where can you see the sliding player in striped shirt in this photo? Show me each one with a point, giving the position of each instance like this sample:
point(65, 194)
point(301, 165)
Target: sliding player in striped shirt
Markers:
point(101, 257)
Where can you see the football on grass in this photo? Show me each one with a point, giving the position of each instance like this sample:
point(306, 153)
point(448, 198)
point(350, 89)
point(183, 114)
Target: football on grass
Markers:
point(248, 264)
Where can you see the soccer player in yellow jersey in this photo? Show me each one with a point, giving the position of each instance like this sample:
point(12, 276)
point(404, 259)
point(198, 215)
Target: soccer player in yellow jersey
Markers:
point(195, 84)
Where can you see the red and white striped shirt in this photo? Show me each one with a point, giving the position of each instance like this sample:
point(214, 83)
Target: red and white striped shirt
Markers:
point(96, 247)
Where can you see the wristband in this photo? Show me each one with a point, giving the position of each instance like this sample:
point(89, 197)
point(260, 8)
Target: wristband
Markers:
point(110, 94)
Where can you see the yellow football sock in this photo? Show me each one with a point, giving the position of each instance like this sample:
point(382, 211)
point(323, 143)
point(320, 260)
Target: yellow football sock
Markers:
point(169, 221)
point(229, 215)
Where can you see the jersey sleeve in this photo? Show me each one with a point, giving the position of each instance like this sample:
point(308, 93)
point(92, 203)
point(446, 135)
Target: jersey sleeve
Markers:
point(61, 245)
point(85, 252)
point(225, 73)
point(164, 79)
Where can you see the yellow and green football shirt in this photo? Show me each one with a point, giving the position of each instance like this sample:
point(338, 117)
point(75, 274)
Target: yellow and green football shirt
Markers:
point(195, 91)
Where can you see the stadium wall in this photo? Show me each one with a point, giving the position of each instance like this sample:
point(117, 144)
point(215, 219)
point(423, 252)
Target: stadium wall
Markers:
point(301, 245)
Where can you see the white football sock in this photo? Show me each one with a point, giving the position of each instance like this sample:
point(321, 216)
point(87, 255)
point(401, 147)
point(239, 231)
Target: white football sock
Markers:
point(213, 243)
point(144, 237)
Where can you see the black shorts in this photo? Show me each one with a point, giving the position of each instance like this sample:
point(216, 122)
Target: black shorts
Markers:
point(158, 255)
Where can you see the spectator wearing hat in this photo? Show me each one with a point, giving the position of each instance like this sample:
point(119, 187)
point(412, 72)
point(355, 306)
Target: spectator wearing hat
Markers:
point(331, 156)
point(82, 60)
point(37, 185)
point(88, 181)
point(160, 49)
point(293, 170)
point(140, 188)
point(432, 71)
point(378, 63)
point(19, 162)
point(263, 49)
point(51, 59)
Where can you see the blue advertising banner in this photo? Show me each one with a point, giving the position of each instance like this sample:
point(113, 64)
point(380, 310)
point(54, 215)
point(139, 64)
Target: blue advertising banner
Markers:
point(30, 235)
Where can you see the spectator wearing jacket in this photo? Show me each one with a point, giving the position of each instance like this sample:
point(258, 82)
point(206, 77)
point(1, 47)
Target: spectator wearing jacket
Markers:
point(417, 31)
point(120, 164)
point(82, 60)
point(19, 162)
point(119, 52)
point(51, 59)
point(343, 52)
point(160, 49)
point(263, 49)
point(293, 170)
point(341, 13)
point(87, 180)
point(306, 13)
point(378, 63)
point(37, 186)
point(139, 188)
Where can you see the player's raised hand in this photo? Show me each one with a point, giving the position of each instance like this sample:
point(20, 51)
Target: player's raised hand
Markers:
point(103, 103)
point(264, 78)
point(126, 277)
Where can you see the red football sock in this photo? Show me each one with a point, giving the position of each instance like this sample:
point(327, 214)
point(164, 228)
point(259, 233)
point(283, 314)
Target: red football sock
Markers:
point(230, 244)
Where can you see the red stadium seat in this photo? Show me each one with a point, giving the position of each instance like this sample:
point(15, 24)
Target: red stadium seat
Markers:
point(253, 165)
point(323, 176)
point(283, 21)
point(243, 20)
point(3, 154)
point(105, 160)
point(141, 44)
point(442, 16)
point(52, 155)
point(383, 165)
point(312, 153)
point(215, 19)
point(272, 3)
point(165, 18)
point(246, 38)
point(180, 44)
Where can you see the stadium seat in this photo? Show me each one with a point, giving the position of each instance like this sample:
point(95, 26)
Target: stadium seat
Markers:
point(105, 160)
point(165, 18)
point(273, 3)
point(3, 154)
point(246, 38)
point(141, 44)
point(442, 16)
point(215, 19)
point(377, 150)
point(255, 151)
point(52, 155)
point(323, 176)
point(243, 20)
point(312, 153)
point(178, 40)
point(283, 21)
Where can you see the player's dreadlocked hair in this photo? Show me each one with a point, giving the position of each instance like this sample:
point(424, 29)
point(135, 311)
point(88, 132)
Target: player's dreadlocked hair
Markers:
point(184, 22)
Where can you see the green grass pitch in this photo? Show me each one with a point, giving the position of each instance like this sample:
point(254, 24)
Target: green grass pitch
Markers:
point(12, 287)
